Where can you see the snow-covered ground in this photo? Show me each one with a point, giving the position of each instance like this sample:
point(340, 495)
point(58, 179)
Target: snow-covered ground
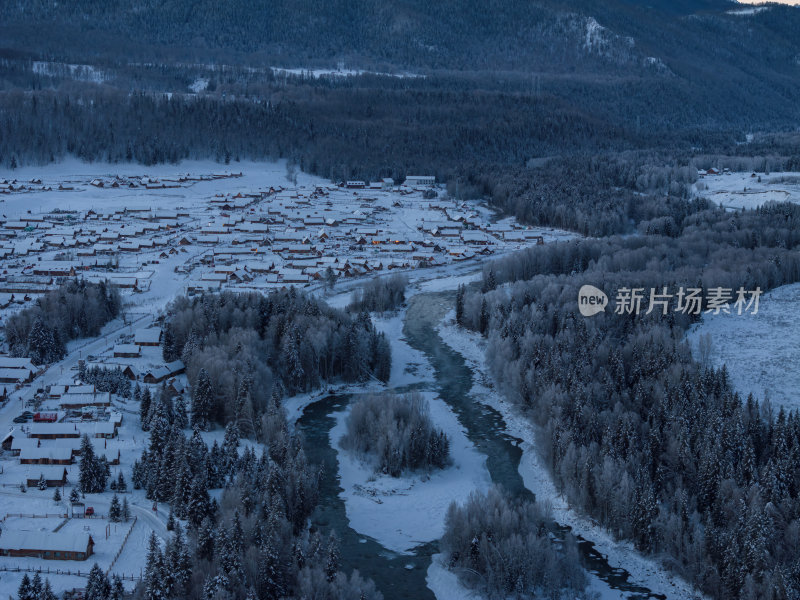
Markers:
point(761, 351)
point(742, 190)
point(619, 554)
point(316, 73)
point(445, 584)
point(415, 504)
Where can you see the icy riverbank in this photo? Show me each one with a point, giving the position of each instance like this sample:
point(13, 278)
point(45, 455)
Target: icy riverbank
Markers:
point(644, 571)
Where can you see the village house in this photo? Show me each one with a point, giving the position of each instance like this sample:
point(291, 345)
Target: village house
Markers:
point(127, 351)
point(420, 180)
point(150, 336)
point(46, 544)
point(45, 455)
point(159, 374)
point(53, 475)
point(55, 268)
point(74, 401)
point(53, 431)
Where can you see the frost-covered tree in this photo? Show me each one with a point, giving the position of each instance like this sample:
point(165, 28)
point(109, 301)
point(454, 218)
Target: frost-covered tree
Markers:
point(396, 433)
point(115, 510)
point(202, 400)
point(97, 585)
point(93, 470)
point(125, 511)
point(25, 590)
point(154, 573)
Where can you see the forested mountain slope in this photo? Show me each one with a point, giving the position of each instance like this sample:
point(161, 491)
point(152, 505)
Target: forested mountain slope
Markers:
point(505, 82)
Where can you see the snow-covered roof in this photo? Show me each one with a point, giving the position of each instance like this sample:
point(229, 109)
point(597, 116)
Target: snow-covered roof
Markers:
point(7, 362)
point(44, 540)
point(46, 451)
point(126, 349)
point(14, 374)
point(150, 335)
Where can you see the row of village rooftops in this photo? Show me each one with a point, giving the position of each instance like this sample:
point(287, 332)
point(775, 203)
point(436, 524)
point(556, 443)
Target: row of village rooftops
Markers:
point(36, 184)
point(132, 182)
point(155, 183)
point(18, 371)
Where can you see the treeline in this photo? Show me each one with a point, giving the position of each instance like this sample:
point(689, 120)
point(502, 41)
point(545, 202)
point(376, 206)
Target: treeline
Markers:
point(592, 195)
point(75, 309)
point(36, 589)
point(244, 352)
point(396, 433)
point(511, 548)
point(106, 380)
point(637, 434)
point(380, 294)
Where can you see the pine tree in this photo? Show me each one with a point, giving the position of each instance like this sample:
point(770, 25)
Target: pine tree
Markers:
point(47, 592)
point(205, 540)
point(168, 349)
point(181, 418)
point(74, 496)
point(122, 485)
point(42, 344)
point(144, 409)
point(93, 471)
point(36, 586)
point(97, 586)
point(330, 278)
point(182, 563)
point(117, 589)
point(202, 400)
point(460, 305)
point(25, 591)
point(332, 560)
point(170, 521)
point(237, 533)
point(490, 283)
point(125, 511)
point(230, 448)
point(57, 495)
point(115, 510)
point(270, 575)
point(483, 325)
point(154, 571)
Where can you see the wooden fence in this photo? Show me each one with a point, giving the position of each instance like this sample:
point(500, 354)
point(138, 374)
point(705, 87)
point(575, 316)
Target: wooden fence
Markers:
point(122, 545)
point(51, 571)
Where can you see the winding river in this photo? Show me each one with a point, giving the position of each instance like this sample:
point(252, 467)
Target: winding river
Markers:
point(403, 576)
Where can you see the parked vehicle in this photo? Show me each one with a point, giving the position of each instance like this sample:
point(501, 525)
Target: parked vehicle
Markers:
point(89, 511)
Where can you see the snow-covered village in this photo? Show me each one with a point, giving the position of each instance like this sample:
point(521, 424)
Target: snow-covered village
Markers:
point(75, 428)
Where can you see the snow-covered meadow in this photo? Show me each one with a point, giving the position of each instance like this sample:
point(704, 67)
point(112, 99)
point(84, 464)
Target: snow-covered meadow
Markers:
point(761, 351)
point(748, 190)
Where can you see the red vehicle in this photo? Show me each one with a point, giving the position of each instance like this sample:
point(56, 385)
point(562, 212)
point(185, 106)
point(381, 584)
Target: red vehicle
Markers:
point(89, 511)
point(45, 417)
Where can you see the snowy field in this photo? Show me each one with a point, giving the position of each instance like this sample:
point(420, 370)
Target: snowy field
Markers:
point(761, 351)
point(742, 190)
